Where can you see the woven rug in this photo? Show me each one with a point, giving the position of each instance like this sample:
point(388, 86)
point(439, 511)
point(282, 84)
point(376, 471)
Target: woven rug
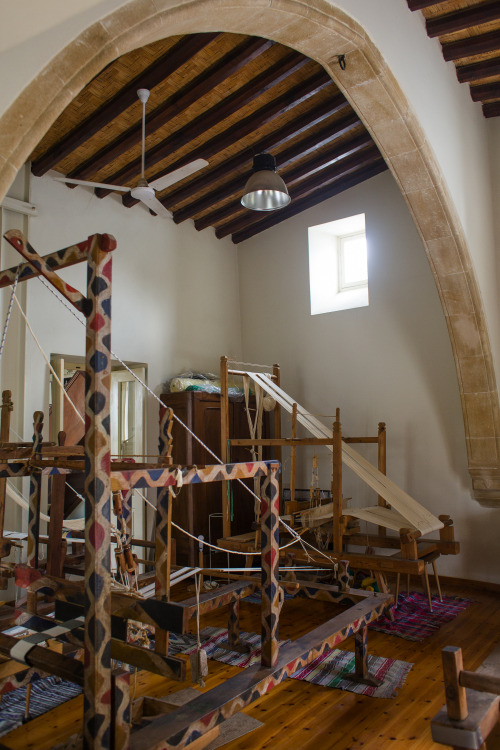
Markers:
point(46, 693)
point(412, 619)
point(211, 638)
point(333, 669)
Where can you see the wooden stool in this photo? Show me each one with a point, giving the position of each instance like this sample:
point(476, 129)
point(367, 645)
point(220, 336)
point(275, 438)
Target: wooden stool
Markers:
point(429, 559)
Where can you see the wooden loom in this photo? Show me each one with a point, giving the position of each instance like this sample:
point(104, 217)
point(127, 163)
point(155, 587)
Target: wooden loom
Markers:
point(98, 613)
point(396, 510)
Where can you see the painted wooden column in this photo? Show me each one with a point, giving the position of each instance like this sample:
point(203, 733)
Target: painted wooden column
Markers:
point(97, 683)
point(233, 623)
point(35, 494)
point(34, 508)
point(163, 526)
point(269, 522)
point(165, 439)
point(6, 409)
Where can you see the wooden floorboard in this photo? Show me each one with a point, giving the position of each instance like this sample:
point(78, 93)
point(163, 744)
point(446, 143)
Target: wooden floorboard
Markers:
point(310, 717)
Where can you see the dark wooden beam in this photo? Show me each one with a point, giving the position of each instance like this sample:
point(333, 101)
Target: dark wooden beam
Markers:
point(292, 129)
point(463, 19)
point(212, 117)
point(46, 660)
point(320, 195)
point(420, 4)
point(208, 79)
point(472, 45)
point(303, 91)
point(298, 149)
point(323, 159)
point(157, 72)
point(491, 109)
point(485, 92)
point(307, 182)
point(477, 71)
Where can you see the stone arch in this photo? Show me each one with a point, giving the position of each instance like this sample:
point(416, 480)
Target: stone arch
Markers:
point(320, 32)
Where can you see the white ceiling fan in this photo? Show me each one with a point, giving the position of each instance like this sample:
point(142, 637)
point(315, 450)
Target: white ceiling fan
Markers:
point(144, 191)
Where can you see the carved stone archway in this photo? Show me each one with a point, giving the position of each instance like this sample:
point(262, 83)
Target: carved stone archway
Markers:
point(320, 32)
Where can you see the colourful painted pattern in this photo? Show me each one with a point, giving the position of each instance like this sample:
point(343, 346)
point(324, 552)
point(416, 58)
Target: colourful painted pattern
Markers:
point(68, 256)
point(165, 437)
point(19, 242)
point(121, 709)
point(125, 480)
point(35, 495)
point(97, 490)
point(185, 725)
point(269, 524)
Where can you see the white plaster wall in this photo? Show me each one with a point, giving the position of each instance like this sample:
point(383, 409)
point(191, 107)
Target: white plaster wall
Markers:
point(391, 361)
point(175, 292)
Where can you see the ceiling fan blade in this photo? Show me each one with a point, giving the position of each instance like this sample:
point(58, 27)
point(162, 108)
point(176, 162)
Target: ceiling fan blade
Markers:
point(154, 204)
point(178, 174)
point(86, 183)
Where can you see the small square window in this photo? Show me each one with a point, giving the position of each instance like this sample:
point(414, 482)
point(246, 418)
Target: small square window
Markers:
point(353, 265)
point(338, 265)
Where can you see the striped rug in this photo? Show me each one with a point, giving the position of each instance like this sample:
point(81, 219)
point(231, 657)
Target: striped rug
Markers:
point(413, 620)
point(333, 669)
point(46, 693)
point(212, 638)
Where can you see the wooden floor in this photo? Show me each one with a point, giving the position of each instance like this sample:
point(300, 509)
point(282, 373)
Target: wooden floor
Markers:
point(302, 716)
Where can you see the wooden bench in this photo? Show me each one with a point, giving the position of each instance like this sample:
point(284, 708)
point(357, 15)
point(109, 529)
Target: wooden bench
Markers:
point(472, 701)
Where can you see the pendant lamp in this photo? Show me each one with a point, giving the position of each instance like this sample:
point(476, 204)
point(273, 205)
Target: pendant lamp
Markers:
point(265, 190)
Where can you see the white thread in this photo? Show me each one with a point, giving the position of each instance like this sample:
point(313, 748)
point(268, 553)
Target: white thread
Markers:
point(61, 385)
point(153, 394)
point(9, 310)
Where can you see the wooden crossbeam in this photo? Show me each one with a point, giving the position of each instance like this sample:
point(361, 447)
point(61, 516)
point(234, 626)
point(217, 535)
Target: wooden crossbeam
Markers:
point(68, 256)
point(298, 149)
point(178, 102)
point(334, 171)
point(327, 156)
point(46, 660)
point(463, 19)
point(203, 713)
point(300, 93)
point(296, 127)
point(471, 45)
point(300, 204)
point(161, 68)
point(478, 70)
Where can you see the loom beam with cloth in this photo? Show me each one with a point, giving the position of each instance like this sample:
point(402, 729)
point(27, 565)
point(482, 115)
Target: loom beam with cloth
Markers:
point(397, 511)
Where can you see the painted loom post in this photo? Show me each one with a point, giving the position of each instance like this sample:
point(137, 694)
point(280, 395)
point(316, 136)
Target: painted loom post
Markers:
point(269, 522)
point(97, 682)
point(163, 525)
point(34, 506)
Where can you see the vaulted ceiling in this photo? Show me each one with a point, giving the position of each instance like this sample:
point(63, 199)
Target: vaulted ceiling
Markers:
point(226, 97)
point(223, 98)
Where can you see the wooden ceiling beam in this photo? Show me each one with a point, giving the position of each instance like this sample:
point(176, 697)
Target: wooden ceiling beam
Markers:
point(320, 178)
point(491, 109)
point(292, 129)
point(323, 193)
point(463, 19)
point(472, 45)
point(420, 4)
point(301, 148)
point(303, 91)
point(194, 90)
point(485, 92)
point(157, 72)
point(218, 114)
point(478, 70)
point(323, 159)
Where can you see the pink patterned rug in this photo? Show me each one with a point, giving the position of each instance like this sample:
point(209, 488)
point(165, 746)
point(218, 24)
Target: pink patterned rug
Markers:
point(414, 621)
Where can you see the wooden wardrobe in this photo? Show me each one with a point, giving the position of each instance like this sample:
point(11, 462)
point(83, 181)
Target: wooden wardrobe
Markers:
point(200, 411)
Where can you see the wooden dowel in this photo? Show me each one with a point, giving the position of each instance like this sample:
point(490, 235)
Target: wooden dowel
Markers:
point(456, 700)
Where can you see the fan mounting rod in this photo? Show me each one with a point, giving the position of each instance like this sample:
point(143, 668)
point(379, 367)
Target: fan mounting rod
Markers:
point(143, 95)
